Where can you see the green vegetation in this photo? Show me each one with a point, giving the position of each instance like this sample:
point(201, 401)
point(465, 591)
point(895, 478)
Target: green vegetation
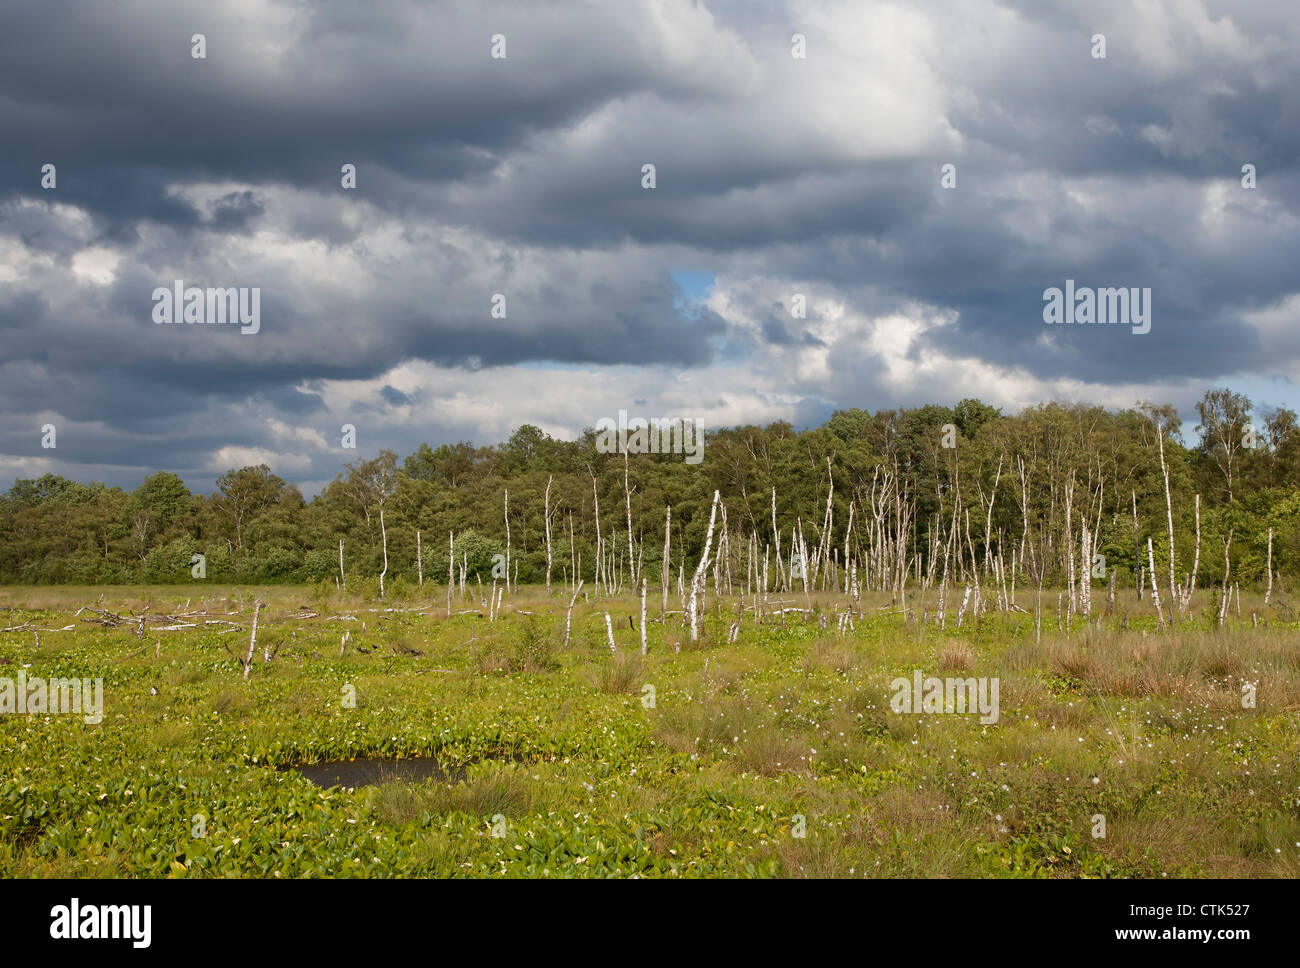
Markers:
point(256, 528)
point(1109, 717)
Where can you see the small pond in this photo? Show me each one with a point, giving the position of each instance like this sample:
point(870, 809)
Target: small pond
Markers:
point(369, 771)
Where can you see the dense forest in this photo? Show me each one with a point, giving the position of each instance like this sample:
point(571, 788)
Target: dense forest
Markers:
point(898, 494)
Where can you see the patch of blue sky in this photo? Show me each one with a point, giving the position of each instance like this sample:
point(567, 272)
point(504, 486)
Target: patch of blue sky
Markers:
point(694, 286)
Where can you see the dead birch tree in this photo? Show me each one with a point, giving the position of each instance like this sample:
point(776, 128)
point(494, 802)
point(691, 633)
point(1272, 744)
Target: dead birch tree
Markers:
point(507, 517)
point(1137, 550)
point(1196, 561)
point(701, 570)
point(1169, 514)
point(780, 569)
point(627, 498)
point(384, 532)
point(643, 631)
point(546, 511)
point(1227, 573)
point(664, 568)
point(252, 640)
point(599, 548)
point(1155, 590)
point(568, 616)
point(1268, 592)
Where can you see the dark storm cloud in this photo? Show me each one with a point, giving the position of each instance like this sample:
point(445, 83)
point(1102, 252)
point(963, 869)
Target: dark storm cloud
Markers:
point(288, 95)
point(522, 176)
point(394, 397)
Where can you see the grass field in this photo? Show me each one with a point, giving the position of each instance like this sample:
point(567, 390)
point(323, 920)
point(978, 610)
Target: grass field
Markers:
point(564, 763)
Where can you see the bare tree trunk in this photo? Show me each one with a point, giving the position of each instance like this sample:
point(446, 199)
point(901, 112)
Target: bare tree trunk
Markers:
point(609, 631)
point(681, 590)
point(1002, 575)
point(643, 634)
point(1155, 590)
point(252, 640)
point(507, 517)
point(599, 549)
point(1086, 572)
point(701, 570)
point(384, 532)
point(1038, 612)
point(943, 585)
point(568, 617)
point(342, 577)
point(1169, 513)
point(762, 610)
point(962, 611)
point(1227, 572)
point(988, 521)
point(627, 499)
point(547, 512)
point(803, 567)
point(1137, 550)
point(1196, 559)
point(848, 530)
point(451, 567)
point(1024, 508)
point(749, 572)
point(573, 560)
point(1069, 540)
point(663, 569)
point(780, 569)
point(419, 560)
point(1268, 592)
point(823, 539)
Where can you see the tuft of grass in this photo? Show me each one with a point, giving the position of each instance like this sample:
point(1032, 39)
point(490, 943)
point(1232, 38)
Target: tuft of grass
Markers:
point(502, 792)
point(233, 702)
point(621, 675)
point(831, 655)
point(956, 658)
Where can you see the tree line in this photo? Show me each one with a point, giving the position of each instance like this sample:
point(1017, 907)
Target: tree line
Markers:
point(1048, 496)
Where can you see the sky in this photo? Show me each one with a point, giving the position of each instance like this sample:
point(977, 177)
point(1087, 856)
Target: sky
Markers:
point(779, 180)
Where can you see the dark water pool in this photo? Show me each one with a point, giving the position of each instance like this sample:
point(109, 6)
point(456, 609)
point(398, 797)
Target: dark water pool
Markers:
point(369, 771)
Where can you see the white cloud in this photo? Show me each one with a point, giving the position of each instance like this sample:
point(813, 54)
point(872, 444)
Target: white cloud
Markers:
point(281, 463)
point(96, 265)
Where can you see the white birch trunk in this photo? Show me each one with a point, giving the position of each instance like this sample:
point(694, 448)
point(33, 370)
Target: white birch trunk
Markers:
point(701, 570)
point(1268, 592)
point(384, 532)
point(643, 633)
point(252, 640)
point(568, 617)
point(546, 510)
